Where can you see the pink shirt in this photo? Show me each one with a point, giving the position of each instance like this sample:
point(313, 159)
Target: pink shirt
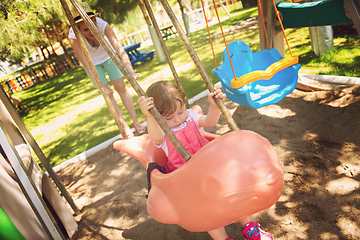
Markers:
point(190, 137)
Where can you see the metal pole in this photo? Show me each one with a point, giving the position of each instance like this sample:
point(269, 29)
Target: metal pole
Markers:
point(185, 18)
point(160, 56)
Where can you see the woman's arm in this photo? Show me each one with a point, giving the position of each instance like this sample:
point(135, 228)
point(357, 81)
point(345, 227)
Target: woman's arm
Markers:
point(75, 44)
point(109, 33)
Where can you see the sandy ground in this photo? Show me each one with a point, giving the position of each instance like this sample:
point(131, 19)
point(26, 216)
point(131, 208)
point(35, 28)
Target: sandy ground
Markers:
point(316, 135)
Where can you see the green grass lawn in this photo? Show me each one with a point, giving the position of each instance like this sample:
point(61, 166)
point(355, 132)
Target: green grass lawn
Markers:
point(67, 116)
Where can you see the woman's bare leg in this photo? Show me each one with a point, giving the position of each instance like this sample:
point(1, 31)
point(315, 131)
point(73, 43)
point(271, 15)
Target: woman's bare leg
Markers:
point(117, 110)
point(126, 99)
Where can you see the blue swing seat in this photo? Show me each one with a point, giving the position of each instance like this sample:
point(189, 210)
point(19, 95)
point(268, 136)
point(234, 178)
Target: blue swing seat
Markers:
point(258, 93)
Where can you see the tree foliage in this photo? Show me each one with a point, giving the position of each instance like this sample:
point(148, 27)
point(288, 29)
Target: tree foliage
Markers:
point(29, 24)
point(15, 23)
point(113, 11)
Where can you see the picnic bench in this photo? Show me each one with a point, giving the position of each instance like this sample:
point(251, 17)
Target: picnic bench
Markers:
point(167, 31)
point(136, 56)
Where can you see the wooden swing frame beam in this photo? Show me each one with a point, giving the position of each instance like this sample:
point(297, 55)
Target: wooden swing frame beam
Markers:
point(179, 147)
point(225, 112)
point(86, 53)
point(122, 68)
point(37, 150)
point(145, 4)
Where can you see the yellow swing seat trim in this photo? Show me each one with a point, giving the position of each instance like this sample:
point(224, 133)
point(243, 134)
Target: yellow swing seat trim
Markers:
point(264, 74)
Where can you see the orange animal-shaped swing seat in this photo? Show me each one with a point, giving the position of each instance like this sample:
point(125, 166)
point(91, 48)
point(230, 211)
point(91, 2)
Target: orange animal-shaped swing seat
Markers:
point(235, 175)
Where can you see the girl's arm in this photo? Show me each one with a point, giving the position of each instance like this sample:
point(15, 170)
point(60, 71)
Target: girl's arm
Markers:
point(154, 130)
point(119, 49)
point(213, 115)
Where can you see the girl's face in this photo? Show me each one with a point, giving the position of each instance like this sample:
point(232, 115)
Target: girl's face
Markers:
point(177, 118)
point(84, 29)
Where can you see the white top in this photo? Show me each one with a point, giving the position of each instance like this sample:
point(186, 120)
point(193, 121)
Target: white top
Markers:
point(196, 116)
point(98, 54)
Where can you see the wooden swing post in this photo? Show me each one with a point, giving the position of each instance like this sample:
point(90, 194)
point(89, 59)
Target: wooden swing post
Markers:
point(230, 121)
point(162, 42)
point(270, 37)
point(37, 150)
point(143, 10)
point(128, 76)
point(208, 30)
point(98, 82)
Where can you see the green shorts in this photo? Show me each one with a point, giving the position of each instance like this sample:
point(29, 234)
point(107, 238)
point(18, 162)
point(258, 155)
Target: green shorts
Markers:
point(111, 69)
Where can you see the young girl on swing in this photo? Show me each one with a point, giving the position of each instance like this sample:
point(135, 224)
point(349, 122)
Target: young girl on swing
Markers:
point(169, 100)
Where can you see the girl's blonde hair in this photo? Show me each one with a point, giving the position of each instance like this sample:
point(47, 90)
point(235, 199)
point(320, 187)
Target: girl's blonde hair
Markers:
point(167, 97)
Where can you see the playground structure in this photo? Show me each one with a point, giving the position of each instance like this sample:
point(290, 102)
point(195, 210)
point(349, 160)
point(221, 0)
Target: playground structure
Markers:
point(320, 17)
point(263, 86)
point(307, 14)
point(320, 13)
point(40, 73)
point(31, 201)
point(269, 183)
point(265, 77)
point(139, 36)
point(257, 79)
point(134, 84)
